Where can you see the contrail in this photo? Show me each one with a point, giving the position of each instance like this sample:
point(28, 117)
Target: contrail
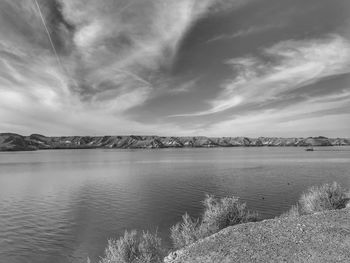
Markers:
point(125, 7)
point(52, 44)
point(133, 75)
point(48, 34)
point(129, 73)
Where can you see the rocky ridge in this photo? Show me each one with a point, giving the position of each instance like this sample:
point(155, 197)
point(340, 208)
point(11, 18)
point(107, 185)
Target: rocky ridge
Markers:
point(16, 142)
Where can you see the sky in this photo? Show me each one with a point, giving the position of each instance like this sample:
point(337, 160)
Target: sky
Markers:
point(175, 68)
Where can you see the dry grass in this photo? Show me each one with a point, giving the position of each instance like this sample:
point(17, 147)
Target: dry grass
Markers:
point(185, 232)
point(224, 212)
point(325, 197)
point(134, 248)
point(320, 198)
point(218, 214)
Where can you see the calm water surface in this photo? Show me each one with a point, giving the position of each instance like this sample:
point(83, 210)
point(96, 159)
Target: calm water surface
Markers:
point(61, 206)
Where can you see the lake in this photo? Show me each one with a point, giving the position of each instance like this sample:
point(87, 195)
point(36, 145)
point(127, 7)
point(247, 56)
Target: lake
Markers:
point(62, 206)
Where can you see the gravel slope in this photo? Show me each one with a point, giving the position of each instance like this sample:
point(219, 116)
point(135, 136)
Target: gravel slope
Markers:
point(322, 237)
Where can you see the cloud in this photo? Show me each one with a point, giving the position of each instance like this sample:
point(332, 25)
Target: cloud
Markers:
point(298, 120)
point(119, 74)
point(255, 29)
point(184, 87)
point(112, 53)
point(283, 67)
point(128, 43)
point(121, 45)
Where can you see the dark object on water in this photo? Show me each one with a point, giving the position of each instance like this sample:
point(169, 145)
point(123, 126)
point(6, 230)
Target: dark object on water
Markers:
point(309, 149)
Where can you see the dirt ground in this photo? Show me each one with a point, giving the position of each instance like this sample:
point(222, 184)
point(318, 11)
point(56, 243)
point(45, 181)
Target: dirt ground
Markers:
point(321, 237)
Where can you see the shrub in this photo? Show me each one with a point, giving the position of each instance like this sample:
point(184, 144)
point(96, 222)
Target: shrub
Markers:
point(185, 232)
point(325, 197)
point(134, 248)
point(218, 214)
point(150, 247)
point(224, 212)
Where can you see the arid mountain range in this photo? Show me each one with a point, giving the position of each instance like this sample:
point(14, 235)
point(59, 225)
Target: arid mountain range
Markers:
point(16, 142)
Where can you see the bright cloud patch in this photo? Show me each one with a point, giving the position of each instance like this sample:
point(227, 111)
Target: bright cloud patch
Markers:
point(288, 65)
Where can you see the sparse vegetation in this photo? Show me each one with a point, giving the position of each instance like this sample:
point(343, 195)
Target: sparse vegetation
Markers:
point(224, 212)
point(134, 248)
point(320, 198)
point(218, 214)
point(325, 197)
point(185, 232)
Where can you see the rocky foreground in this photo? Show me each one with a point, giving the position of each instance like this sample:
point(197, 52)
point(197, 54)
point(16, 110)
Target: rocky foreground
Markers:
point(321, 237)
point(16, 142)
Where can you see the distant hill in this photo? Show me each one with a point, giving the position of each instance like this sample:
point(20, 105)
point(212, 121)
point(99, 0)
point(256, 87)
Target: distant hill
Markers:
point(16, 142)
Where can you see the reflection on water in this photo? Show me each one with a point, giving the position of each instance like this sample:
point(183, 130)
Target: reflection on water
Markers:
point(63, 205)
